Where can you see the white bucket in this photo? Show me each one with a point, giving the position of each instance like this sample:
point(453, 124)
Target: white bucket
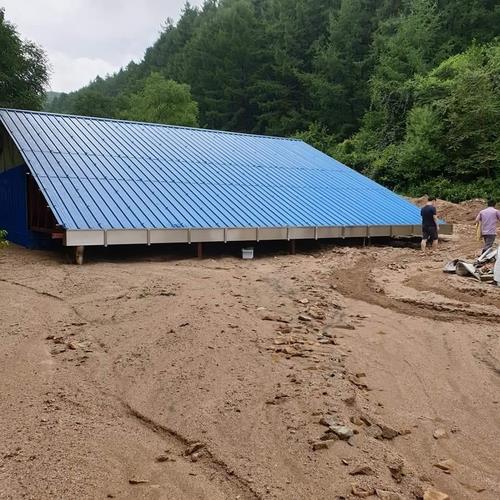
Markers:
point(247, 253)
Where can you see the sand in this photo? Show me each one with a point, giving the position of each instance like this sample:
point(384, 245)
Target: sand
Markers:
point(157, 377)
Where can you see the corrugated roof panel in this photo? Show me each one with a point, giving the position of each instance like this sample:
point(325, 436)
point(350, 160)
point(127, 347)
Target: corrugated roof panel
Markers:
point(101, 174)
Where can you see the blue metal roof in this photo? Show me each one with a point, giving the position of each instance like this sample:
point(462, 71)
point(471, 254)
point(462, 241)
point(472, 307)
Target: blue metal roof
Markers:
point(103, 174)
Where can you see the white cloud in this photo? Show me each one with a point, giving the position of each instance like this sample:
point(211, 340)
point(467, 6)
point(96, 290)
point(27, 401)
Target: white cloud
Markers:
point(71, 73)
point(84, 38)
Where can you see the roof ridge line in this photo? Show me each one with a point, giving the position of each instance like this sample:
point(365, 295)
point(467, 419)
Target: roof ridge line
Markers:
point(150, 124)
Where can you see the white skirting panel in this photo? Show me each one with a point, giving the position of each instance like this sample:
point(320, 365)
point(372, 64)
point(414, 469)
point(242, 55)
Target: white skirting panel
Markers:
point(100, 237)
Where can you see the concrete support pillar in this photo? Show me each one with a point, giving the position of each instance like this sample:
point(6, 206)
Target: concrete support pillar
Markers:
point(79, 255)
point(291, 247)
point(199, 250)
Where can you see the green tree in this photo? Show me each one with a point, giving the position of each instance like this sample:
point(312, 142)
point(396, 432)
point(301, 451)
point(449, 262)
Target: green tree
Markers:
point(223, 58)
point(342, 67)
point(23, 69)
point(162, 101)
point(3, 238)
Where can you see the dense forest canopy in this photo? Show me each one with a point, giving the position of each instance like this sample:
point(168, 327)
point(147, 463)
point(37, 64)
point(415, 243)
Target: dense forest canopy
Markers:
point(406, 91)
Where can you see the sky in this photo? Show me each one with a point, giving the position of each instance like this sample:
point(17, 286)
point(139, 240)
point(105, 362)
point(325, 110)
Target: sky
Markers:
point(86, 38)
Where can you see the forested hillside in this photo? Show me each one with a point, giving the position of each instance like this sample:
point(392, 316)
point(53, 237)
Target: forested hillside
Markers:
point(407, 91)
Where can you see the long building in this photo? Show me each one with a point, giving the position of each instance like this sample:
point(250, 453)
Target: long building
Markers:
point(94, 181)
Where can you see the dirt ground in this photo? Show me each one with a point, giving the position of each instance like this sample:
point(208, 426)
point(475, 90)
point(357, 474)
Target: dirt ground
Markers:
point(158, 377)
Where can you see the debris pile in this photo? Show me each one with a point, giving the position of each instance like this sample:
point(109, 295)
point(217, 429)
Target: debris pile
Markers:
point(484, 268)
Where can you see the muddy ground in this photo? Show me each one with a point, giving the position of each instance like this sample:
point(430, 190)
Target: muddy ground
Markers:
point(151, 376)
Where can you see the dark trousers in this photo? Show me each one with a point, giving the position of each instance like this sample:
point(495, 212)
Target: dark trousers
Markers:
point(489, 239)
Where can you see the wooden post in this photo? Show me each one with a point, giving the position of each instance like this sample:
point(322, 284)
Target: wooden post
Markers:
point(79, 255)
point(199, 250)
point(292, 247)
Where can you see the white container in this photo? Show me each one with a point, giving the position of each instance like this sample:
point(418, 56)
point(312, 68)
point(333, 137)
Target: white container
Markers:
point(247, 253)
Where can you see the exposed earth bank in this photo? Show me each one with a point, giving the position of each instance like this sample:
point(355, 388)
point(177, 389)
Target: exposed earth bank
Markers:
point(341, 372)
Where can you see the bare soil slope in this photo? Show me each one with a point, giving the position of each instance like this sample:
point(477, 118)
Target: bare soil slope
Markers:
point(190, 379)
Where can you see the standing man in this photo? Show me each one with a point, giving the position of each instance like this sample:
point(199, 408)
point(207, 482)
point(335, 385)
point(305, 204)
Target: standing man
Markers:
point(429, 224)
point(488, 219)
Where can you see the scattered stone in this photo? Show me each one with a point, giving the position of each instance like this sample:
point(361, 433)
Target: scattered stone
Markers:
point(396, 470)
point(432, 494)
point(362, 470)
point(274, 317)
point(360, 492)
point(366, 420)
point(303, 301)
point(316, 314)
point(162, 458)
point(342, 431)
point(329, 436)
point(194, 448)
point(345, 326)
point(388, 432)
point(356, 420)
point(350, 400)
point(72, 346)
point(388, 495)
point(327, 421)
point(439, 433)
point(374, 431)
point(196, 456)
point(138, 481)
point(320, 445)
point(445, 465)
point(357, 382)
point(304, 317)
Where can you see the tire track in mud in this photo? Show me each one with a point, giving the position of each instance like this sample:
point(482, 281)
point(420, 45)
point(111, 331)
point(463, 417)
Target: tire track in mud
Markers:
point(360, 286)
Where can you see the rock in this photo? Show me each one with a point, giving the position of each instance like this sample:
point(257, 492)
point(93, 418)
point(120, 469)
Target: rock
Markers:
point(374, 431)
point(138, 481)
point(274, 317)
point(194, 448)
point(360, 492)
point(356, 420)
point(304, 317)
point(328, 421)
point(322, 445)
point(396, 469)
point(303, 301)
point(366, 420)
point(357, 382)
point(72, 346)
point(342, 431)
point(432, 494)
point(439, 433)
point(445, 465)
point(388, 432)
point(388, 495)
point(350, 400)
point(329, 436)
point(316, 314)
point(362, 470)
point(162, 458)
point(196, 456)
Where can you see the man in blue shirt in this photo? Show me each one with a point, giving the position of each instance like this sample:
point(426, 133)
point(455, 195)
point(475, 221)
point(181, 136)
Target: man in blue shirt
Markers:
point(429, 224)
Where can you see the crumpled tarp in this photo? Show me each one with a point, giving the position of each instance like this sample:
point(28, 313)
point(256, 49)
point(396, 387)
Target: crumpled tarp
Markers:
point(482, 268)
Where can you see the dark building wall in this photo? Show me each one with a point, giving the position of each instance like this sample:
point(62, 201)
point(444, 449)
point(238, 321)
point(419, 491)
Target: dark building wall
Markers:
point(14, 197)
point(14, 210)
